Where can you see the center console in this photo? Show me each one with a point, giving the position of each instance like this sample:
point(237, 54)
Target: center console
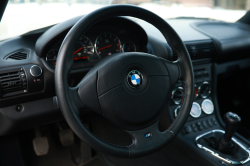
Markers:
point(203, 132)
point(203, 106)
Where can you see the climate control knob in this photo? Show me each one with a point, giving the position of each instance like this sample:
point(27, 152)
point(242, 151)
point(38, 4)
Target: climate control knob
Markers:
point(204, 90)
point(35, 71)
point(177, 95)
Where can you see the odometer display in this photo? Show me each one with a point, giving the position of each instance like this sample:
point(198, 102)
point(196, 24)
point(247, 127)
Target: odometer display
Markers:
point(107, 44)
point(84, 49)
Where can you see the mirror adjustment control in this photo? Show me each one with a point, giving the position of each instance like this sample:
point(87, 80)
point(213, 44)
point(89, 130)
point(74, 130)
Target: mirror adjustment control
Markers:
point(35, 71)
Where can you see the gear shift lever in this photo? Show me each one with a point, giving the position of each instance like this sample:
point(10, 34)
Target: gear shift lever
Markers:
point(232, 122)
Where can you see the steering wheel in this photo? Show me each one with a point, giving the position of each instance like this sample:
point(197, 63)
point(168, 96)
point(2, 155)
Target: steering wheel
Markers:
point(129, 89)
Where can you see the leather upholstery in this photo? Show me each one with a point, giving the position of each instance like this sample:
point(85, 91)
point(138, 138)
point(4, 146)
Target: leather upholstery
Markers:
point(68, 103)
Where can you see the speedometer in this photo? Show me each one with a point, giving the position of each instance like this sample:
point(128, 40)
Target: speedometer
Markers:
point(84, 49)
point(106, 44)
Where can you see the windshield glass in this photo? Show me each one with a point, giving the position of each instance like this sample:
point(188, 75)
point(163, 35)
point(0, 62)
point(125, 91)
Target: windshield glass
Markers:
point(22, 16)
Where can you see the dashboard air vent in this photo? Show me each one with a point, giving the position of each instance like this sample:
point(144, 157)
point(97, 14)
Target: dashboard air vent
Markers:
point(12, 83)
point(18, 55)
point(199, 51)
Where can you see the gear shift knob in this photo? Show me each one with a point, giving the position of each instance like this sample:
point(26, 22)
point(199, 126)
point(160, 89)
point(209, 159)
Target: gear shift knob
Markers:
point(232, 122)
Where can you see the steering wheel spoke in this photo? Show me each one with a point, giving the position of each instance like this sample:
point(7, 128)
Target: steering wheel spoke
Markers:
point(87, 92)
point(173, 70)
point(147, 140)
point(74, 97)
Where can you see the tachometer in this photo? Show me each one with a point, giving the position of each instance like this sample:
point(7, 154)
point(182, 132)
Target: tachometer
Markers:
point(84, 49)
point(107, 44)
point(51, 57)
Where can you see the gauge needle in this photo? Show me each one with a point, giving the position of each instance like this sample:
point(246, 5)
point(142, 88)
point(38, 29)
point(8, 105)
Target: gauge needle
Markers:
point(78, 50)
point(104, 47)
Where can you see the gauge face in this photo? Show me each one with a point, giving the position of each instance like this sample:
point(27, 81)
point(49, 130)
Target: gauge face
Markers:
point(207, 106)
point(129, 47)
point(204, 89)
point(195, 110)
point(107, 44)
point(83, 50)
point(51, 57)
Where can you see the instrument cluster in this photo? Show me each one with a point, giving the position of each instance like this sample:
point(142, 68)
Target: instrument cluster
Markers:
point(98, 43)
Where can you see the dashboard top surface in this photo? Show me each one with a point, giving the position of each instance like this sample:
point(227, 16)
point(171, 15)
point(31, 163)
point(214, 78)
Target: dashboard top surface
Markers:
point(181, 26)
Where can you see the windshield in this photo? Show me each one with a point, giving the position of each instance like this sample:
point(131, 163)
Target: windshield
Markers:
point(22, 16)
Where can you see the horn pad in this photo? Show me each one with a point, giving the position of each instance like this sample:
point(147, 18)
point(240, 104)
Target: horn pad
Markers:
point(132, 95)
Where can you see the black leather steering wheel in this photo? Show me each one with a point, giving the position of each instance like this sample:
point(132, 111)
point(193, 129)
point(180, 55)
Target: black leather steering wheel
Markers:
point(129, 89)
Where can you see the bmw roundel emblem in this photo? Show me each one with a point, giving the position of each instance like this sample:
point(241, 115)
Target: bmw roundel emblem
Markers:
point(134, 79)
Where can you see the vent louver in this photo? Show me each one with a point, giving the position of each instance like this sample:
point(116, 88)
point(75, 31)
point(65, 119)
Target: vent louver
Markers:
point(12, 82)
point(18, 55)
point(199, 51)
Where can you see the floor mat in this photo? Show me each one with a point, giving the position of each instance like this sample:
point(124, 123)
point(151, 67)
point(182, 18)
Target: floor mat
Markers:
point(156, 159)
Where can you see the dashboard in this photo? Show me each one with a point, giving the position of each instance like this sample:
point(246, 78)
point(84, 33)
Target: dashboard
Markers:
point(29, 60)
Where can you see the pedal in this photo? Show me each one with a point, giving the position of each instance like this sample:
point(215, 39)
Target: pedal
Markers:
point(66, 137)
point(40, 144)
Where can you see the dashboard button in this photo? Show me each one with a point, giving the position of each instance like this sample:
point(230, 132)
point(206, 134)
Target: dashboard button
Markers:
point(198, 123)
point(187, 129)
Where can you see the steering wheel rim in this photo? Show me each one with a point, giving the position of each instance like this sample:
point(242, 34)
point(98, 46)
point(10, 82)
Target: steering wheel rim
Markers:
point(71, 100)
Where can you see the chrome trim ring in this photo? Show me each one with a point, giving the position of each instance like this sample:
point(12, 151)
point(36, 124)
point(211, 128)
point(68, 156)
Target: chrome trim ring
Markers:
point(33, 74)
point(172, 96)
point(217, 155)
point(176, 110)
point(199, 89)
point(203, 107)
point(196, 116)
